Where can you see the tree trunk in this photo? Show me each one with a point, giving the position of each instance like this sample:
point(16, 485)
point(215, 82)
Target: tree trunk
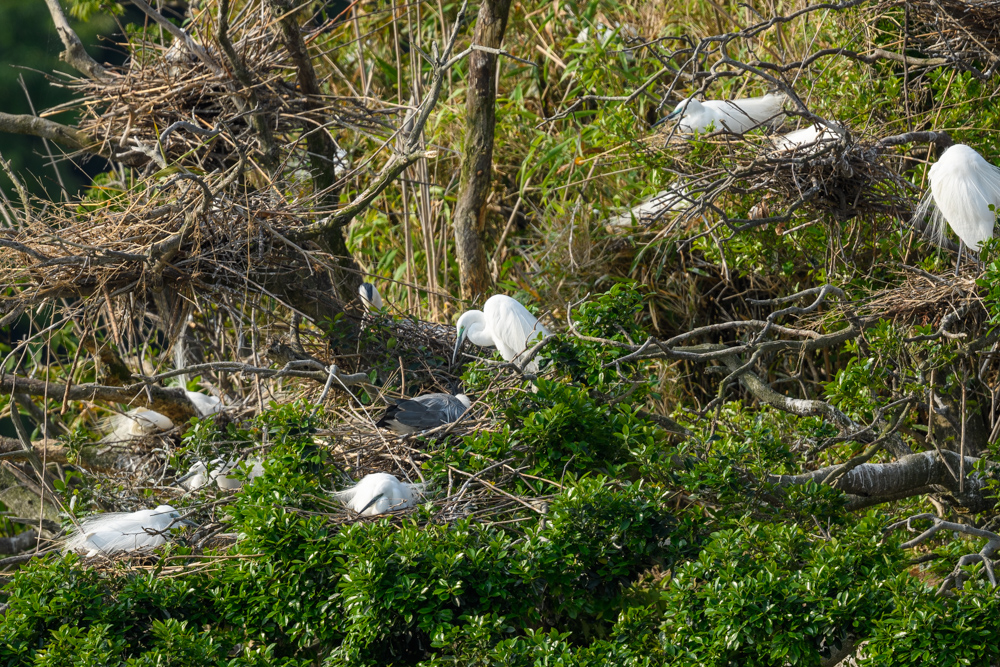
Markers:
point(477, 155)
point(322, 151)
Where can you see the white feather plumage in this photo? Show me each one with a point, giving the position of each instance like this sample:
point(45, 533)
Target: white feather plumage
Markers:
point(205, 405)
point(379, 493)
point(116, 532)
point(502, 323)
point(672, 200)
point(735, 116)
point(963, 186)
point(808, 139)
point(136, 423)
point(200, 475)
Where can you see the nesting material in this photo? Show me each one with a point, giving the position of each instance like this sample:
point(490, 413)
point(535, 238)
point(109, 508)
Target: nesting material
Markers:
point(118, 532)
point(379, 493)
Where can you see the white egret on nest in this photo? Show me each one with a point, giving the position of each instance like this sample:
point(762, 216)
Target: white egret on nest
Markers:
point(115, 532)
point(370, 297)
point(378, 493)
point(424, 412)
point(734, 116)
point(504, 324)
point(963, 187)
point(808, 139)
point(204, 404)
point(217, 471)
point(674, 199)
point(136, 423)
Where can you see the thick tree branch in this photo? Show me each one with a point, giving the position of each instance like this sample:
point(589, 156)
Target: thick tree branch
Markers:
point(75, 55)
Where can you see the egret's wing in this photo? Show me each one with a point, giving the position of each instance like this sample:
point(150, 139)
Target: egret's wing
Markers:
point(742, 115)
point(428, 411)
point(114, 532)
point(514, 327)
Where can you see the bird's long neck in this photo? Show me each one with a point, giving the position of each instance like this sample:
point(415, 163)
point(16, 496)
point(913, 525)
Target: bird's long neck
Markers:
point(478, 335)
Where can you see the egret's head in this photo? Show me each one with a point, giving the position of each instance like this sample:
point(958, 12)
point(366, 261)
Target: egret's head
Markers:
point(688, 106)
point(370, 297)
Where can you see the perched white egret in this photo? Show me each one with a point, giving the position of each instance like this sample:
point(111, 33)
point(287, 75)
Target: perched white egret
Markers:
point(204, 404)
point(218, 471)
point(378, 493)
point(963, 186)
point(504, 324)
point(116, 532)
point(136, 423)
point(370, 297)
point(808, 139)
point(424, 412)
point(734, 116)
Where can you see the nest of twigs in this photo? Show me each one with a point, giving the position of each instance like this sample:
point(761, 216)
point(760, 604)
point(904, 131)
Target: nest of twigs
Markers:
point(963, 34)
point(928, 300)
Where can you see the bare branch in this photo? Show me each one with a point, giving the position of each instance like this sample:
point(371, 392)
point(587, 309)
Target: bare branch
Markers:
point(75, 55)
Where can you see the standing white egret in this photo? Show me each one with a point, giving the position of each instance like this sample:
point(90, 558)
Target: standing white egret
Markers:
point(115, 532)
point(734, 116)
point(370, 297)
point(378, 493)
point(136, 423)
point(963, 187)
point(504, 324)
point(424, 412)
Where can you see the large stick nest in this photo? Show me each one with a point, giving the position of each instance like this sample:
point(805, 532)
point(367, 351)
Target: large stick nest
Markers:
point(964, 34)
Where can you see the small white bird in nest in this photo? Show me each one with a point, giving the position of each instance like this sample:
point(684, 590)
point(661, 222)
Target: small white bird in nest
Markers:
point(963, 187)
point(217, 470)
point(674, 199)
point(136, 423)
point(117, 532)
point(733, 116)
point(503, 323)
point(807, 140)
point(379, 493)
point(424, 412)
point(204, 404)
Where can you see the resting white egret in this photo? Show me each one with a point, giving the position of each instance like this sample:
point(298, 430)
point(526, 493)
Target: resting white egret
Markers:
point(672, 200)
point(808, 139)
point(370, 297)
point(504, 324)
point(204, 404)
point(116, 532)
point(218, 471)
point(735, 116)
point(963, 187)
point(136, 423)
point(379, 493)
point(424, 412)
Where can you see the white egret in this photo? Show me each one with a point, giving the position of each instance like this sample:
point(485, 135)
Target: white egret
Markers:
point(116, 532)
point(424, 412)
point(808, 139)
point(963, 187)
point(136, 423)
point(204, 404)
point(504, 324)
point(379, 493)
point(672, 200)
point(734, 116)
point(370, 297)
point(217, 471)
